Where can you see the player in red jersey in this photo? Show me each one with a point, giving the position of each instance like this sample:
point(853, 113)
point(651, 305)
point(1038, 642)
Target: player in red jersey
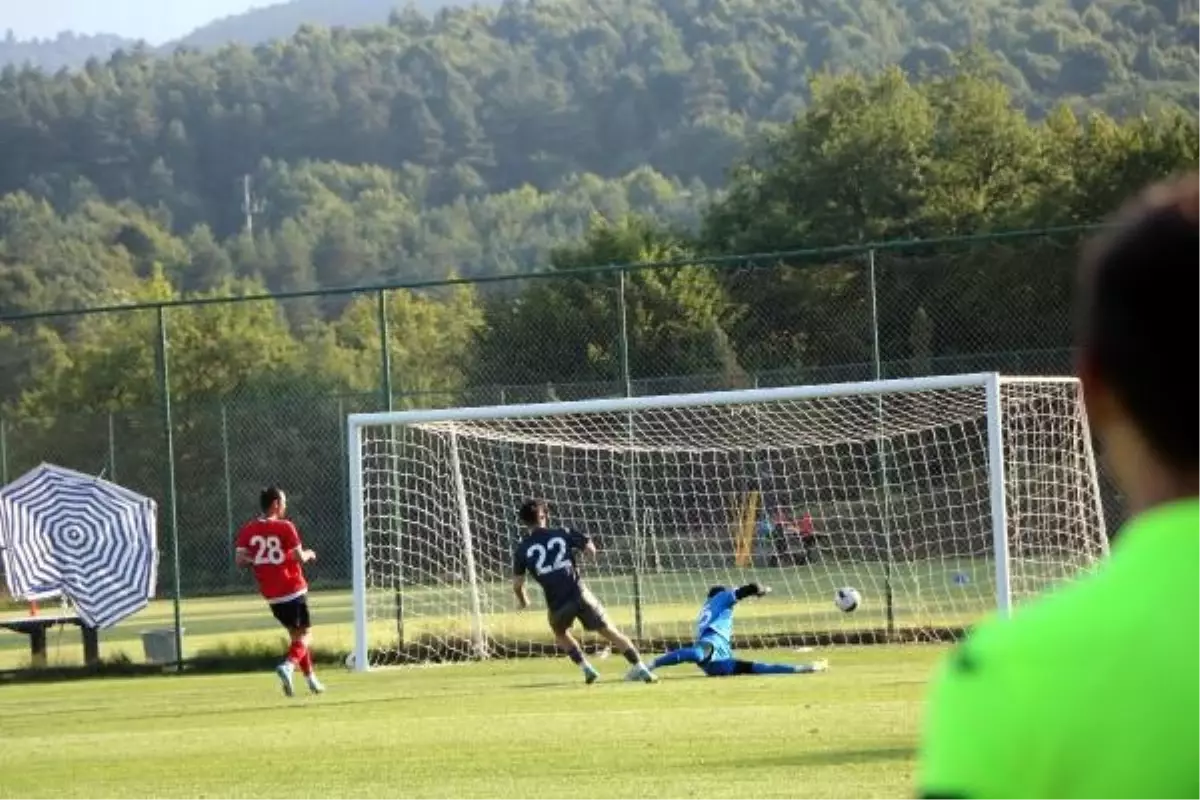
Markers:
point(271, 546)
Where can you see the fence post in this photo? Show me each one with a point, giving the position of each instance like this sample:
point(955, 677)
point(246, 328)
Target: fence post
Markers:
point(385, 355)
point(230, 534)
point(631, 478)
point(343, 445)
point(385, 351)
point(3, 452)
point(880, 448)
point(112, 450)
point(164, 388)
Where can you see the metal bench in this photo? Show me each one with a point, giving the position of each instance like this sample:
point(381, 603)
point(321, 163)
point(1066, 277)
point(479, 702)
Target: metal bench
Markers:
point(35, 628)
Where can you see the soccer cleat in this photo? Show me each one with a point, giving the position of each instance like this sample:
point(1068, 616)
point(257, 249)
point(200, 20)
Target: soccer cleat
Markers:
point(284, 672)
point(818, 666)
point(640, 672)
point(590, 675)
point(314, 685)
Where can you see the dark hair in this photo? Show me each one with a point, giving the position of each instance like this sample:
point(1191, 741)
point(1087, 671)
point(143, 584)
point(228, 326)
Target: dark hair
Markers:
point(714, 591)
point(529, 511)
point(268, 496)
point(1137, 316)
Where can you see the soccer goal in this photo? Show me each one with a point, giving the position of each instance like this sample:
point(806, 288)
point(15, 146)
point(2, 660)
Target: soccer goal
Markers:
point(939, 499)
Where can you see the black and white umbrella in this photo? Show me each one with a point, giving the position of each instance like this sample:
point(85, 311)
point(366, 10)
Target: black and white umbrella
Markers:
point(63, 532)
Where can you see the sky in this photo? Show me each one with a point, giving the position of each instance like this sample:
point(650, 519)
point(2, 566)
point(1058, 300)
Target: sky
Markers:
point(156, 21)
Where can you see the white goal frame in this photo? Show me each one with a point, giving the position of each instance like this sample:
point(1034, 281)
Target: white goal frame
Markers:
point(990, 382)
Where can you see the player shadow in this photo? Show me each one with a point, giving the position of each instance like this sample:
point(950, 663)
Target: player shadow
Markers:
point(557, 684)
point(610, 681)
point(833, 758)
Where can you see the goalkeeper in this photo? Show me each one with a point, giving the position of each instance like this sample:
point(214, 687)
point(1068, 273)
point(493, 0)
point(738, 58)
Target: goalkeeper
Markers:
point(713, 650)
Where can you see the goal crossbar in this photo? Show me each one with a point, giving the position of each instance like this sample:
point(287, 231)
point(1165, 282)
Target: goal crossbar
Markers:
point(729, 398)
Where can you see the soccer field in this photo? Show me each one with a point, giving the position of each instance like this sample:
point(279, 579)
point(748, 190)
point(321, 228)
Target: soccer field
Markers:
point(519, 728)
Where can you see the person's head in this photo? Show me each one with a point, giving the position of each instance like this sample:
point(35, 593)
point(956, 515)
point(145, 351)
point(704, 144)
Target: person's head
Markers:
point(713, 591)
point(1137, 343)
point(273, 502)
point(534, 514)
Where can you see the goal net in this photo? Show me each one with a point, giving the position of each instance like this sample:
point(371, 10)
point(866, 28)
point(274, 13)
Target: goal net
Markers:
point(939, 499)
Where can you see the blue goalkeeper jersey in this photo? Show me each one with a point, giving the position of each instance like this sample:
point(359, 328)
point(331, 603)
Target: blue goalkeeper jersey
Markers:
point(716, 617)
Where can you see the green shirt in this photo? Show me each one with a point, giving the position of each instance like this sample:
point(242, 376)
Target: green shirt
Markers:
point(1090, 691)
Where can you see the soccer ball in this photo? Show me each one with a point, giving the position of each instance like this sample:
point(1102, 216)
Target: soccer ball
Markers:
point(847, 598)
point(350, 660)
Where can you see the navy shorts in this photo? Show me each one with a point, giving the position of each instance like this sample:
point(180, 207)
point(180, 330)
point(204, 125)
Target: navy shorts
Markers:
point(583, 607)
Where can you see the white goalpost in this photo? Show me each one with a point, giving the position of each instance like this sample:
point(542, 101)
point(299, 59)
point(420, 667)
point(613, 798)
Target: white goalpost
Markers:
point(939, 499)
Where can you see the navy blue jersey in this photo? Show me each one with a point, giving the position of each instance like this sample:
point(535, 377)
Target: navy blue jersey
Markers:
point(549, 555)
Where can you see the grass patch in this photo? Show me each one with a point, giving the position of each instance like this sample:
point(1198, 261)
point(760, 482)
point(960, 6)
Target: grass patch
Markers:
point(524, 728)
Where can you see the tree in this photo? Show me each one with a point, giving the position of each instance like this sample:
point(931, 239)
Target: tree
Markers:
point(567, 330)
point(850, 169)
point(881, 158)
point(216, 349)
point(429, 344)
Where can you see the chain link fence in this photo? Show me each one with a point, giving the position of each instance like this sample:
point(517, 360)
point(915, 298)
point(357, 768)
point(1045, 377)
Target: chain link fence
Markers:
point(256, 391)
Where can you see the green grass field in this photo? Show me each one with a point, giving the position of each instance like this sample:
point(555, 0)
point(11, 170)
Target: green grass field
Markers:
point(519, 728)
point(516, 728)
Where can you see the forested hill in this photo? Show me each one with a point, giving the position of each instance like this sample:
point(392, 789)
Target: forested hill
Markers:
point(1051, 48)
point(478, 101)
point(283, 19)
point(478, 140)
point(65, 51)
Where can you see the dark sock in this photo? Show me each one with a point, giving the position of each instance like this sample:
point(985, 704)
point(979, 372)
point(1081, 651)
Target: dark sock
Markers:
point(632, 656)
point(575, 655)
point(774, 669)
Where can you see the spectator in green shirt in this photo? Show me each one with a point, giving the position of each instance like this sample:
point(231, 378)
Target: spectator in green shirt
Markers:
point(1091, 691)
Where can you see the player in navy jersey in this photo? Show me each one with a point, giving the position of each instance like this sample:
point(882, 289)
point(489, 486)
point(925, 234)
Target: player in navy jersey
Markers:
point(713, 649)
point(549, 555)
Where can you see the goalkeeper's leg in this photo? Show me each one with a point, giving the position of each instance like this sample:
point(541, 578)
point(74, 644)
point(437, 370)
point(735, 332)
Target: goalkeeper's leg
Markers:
point(724, 668)
point(697, 653)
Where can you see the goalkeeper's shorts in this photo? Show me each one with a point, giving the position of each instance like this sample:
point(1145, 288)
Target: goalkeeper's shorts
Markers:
point(718, 650)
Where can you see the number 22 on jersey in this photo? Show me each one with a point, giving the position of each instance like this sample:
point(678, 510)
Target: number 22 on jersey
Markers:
point(267, 550)
point(556, 547)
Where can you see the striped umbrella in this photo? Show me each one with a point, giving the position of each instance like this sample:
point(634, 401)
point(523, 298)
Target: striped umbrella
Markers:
point(63, 532)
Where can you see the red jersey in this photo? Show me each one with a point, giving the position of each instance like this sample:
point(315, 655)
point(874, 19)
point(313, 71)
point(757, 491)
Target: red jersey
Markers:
point(271, 544)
